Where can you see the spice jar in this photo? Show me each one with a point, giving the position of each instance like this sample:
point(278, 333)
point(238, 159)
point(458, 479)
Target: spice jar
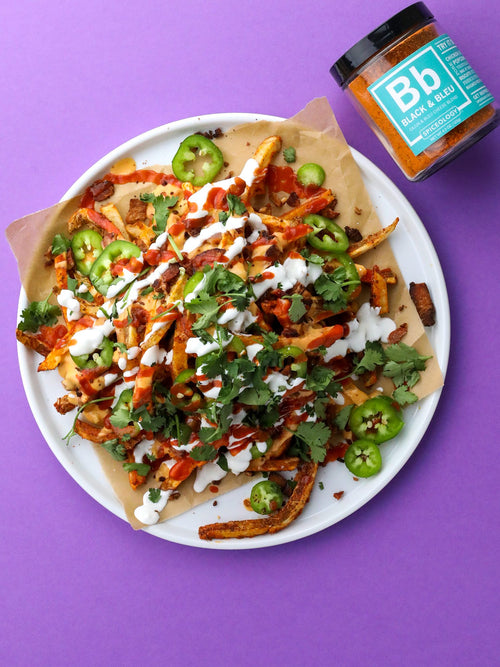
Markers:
point(416, 91)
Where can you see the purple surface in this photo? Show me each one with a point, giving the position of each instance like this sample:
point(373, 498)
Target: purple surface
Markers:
point(412, 577)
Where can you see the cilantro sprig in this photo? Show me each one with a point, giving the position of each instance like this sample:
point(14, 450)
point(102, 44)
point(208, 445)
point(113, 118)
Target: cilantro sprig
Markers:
point(310, 441)
point(331, 288)
point(400, 362)
point(163, 206)
point(38, 313)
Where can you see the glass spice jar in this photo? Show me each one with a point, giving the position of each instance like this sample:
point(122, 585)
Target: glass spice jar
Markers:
point(416, 91)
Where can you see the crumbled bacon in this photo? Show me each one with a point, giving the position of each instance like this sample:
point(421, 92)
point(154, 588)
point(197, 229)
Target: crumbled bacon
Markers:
point(353, 234)
point(421, 297)
point(136, 211)
point(102, 190)
point(398, 334)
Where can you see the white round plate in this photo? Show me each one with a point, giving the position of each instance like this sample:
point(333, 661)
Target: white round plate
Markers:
point(418, 262)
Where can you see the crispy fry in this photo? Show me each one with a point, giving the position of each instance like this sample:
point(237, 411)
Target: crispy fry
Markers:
point(263, 156)
point(379, 296)
point(267, 465)
point(371, 241)
point(304, 480)
point(312, 205)
point(421, 297)
point(353, 392)
point(30, 340)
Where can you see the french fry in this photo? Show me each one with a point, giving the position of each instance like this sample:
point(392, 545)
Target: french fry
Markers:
point(312, 205)
point(371, 241)
point(379, 295)
point(304, 481)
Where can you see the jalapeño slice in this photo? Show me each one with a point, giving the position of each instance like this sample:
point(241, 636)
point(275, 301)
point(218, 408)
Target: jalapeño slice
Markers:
point(311, 174)
point(193, 147)
point(86, 245)
point(100, 274)
point(326, 234)
point(363, 458)
point(377, 419)
point(266, 497)
point(102, 357)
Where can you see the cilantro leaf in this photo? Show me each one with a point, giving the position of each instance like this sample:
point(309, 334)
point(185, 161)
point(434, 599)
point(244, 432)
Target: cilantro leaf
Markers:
point(404, 396)
point(142, 469)
point(37, 314)
point(205, 452)
point(329, 286)
point(290, 154)
point(312, 257)
point(373, 356)
point(235, 205)
point(207, 306)
point(319, 378)
point(60, 244)
point(315, 435)
point(162, 205)
point(403, 366)
point(343, 417)
point(222, 462)
point(297, 309)
point(116, 449)
point(154, 495)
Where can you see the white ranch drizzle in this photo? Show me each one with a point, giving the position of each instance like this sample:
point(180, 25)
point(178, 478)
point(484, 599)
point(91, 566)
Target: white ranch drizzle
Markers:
point(66, 299)
point(366, 326)
point(293, 270)
point(149, 513)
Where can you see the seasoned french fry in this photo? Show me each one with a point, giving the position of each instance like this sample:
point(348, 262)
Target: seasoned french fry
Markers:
point(304, 480)
point(371, 241)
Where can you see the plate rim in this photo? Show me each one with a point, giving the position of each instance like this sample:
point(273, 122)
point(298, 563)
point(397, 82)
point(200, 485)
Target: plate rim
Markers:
point(429, 403)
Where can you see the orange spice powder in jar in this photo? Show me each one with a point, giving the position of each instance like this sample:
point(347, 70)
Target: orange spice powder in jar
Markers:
point(417, 92)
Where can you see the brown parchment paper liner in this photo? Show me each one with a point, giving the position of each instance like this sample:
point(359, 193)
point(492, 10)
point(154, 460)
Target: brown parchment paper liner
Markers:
point(316, 136)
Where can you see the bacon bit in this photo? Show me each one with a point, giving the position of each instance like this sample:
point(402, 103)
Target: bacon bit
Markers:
point(137, 211)
point(212, 134)
point(102, 189)
point(338, 495)
point(207, 257)
point(398, 334)
point(421, 297)
point(293, 200)
point(353, 234)
point(213, 488)
point(329, 211)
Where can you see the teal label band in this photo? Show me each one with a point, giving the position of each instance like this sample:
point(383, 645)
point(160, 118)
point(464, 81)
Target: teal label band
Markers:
point(429, 93)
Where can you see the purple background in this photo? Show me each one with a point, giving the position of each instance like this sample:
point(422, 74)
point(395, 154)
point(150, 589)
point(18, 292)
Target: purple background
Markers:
point(412, 577)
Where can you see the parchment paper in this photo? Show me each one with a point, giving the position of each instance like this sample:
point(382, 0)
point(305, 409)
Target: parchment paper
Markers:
point(316, 136)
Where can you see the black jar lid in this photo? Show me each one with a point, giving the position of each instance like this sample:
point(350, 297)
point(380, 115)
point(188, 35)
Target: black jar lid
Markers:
point(379, 38)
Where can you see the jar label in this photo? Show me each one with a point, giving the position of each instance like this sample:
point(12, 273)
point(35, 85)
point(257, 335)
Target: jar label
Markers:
point(429, 93)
